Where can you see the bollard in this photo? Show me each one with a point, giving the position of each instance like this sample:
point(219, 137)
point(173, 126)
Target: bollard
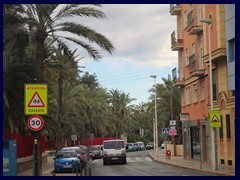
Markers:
point(90, 171)
point(85, 170)
point(72, 166)
point(81, 171)
point(76, 168)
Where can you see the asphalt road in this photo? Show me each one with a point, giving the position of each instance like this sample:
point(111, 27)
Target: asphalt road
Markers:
point(140, 164)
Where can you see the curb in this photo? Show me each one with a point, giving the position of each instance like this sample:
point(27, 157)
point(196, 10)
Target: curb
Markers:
point(187, 167)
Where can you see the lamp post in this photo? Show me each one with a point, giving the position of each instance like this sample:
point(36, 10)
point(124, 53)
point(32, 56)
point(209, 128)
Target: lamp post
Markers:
point(214, 136)
point(156, 129)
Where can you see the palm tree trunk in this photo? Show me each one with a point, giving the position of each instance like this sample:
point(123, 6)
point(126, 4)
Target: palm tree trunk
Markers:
point(60, 92)
point(39, 79)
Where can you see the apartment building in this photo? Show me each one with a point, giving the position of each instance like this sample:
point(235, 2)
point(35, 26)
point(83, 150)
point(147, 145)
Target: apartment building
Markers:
point(191, 40)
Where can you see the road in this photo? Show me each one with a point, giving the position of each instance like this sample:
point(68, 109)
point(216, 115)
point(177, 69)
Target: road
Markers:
point(140, 164)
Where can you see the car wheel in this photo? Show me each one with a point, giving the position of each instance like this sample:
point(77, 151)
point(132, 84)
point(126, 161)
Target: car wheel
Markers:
point(104, 162)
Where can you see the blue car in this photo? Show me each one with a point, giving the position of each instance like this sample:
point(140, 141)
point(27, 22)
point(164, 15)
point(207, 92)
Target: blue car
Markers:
point(64, 160)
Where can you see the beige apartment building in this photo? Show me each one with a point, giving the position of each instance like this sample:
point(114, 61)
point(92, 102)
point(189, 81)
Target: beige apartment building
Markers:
point(191, 40)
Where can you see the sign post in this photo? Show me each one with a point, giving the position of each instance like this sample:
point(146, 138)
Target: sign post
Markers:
point(35, 103)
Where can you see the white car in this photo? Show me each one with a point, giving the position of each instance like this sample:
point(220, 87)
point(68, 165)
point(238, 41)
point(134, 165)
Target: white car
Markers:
point(163, 144)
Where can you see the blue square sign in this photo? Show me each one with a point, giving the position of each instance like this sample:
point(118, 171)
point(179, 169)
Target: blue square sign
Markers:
point(165, 131)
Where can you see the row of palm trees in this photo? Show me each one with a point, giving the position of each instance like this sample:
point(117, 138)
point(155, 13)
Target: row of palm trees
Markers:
point(36, 49)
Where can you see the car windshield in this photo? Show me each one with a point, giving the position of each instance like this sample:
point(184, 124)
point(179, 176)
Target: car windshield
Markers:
point(113, 144)
point(66, 154)
point(151, 143)
point(92, 148)
point(78, 150)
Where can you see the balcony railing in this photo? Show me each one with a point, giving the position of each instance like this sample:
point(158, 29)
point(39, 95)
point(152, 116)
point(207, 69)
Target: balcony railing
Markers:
point(175, 9)
point(194, 27)
point(176, 43)
point(196, 68)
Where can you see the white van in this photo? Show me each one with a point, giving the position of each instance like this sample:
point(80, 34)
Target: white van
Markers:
point(114, 151)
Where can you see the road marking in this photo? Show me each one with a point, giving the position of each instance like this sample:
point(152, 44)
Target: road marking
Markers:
point(129, 159)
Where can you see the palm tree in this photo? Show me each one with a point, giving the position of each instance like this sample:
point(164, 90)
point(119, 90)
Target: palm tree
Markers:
point(17, 68)
point(42, 21)
point(120, 106)
point(56, 22)
point(62, 66)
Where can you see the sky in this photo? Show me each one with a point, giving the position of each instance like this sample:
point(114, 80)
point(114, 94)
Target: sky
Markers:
point(141, 35)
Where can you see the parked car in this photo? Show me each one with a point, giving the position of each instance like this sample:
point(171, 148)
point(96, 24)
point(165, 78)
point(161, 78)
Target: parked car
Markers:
point(86, 154)
point(95, 152)
point(63, 161)
point(150, 145)
point(163, 144)
point(80, 153)
point(137, 146)
point(130, 147)
point(141, 145)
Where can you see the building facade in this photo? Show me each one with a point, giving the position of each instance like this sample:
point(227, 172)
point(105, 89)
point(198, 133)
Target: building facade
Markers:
point(191, 40)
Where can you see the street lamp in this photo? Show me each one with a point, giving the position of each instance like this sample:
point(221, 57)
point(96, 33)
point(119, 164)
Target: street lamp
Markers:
point(214, 137)
point(156, 129)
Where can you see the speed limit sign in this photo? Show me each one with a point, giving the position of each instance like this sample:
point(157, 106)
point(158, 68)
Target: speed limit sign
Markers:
point(35, 122)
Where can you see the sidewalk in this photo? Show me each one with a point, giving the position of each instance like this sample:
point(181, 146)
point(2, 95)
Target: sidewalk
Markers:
point(47, 168)
point(191, 164)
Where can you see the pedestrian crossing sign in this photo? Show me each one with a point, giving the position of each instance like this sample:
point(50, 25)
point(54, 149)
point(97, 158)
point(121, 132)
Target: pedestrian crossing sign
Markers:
point(215, 119)
point(35, 100)
point(165, 131)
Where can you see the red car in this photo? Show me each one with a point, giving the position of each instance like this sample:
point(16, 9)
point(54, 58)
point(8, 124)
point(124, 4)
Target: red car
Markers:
point(80, 153)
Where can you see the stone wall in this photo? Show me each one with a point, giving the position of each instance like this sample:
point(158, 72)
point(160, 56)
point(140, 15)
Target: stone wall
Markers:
point(26, 163)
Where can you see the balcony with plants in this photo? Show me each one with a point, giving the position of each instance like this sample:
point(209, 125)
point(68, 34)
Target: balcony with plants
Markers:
point(176, 41)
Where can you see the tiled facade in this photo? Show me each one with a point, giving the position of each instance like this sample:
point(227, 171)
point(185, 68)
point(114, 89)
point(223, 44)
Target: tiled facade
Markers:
point(191, 40)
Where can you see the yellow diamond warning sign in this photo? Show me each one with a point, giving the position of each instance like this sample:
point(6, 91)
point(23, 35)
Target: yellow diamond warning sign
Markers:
point(35, 99)
point(215, 119)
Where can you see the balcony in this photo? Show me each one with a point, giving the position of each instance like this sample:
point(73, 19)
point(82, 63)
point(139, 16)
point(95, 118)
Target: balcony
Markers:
point(176, 44)
point(196, 68)
point(194, 27)
point(179, 83)
point(175, 9)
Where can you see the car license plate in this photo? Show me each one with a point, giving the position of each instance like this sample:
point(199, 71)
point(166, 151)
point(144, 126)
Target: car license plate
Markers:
point(67, 166)
point(115, 158)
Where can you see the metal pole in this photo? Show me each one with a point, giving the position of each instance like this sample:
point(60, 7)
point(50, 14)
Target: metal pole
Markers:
point(154, 136)
point(214, 137)
point(156, 116)
point(36, 157)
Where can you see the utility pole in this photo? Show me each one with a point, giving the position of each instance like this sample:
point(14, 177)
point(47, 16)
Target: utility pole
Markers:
point(171, 109)
point(156, 128)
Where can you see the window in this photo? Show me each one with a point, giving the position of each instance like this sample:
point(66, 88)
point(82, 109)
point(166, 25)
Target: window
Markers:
point(221, 130)
point(214, 85)
point(195, 93)
point(185, 18)
point(231, 49)
point(187, 58)
point(228, 126)
point(193, 48)
point(183, 98)
point(202, 95)
point(181, 66)
point(200, 53)
point(191, 6)
point(187, 95)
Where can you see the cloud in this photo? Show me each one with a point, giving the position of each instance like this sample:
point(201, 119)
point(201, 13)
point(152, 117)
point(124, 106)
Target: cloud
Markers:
point(140, 33)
